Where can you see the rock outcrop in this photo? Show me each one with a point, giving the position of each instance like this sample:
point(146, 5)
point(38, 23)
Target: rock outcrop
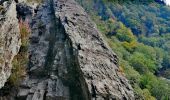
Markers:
point(69, 59)
point(99, 65)
point(9, 38)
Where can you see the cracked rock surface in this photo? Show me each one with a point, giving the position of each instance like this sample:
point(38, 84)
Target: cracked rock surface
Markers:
point(68, 58)
point(9, 38)
point(96, 60)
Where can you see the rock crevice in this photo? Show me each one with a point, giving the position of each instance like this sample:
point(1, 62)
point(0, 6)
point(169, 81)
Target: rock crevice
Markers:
point(69, 59)
point(99, 65)
point(53, 68)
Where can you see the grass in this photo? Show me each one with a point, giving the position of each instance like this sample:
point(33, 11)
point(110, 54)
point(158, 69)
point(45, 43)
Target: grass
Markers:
point(20, 61)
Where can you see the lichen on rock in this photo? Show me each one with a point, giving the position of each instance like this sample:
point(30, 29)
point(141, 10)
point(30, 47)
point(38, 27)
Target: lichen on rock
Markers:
point(99, 65)
point(9, 40)
point(68, 58)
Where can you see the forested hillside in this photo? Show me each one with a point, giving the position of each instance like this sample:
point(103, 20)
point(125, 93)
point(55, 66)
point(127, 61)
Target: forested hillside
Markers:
point(139, 33)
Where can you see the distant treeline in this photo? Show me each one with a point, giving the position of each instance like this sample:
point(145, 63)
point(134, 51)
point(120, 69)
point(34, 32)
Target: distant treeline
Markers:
point(137, 1)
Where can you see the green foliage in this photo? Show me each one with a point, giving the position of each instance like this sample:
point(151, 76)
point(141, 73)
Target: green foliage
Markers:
point(138, 34)
point(131, 73)
point(166, 73)
point(135, 1)
point(166, 60)
point(141, 63)
point(124, 34)
point(19, 69)
point(35, 1)
point(147, 95)
point(158, 87)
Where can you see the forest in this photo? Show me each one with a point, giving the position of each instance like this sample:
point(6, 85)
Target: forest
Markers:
point(138, 31)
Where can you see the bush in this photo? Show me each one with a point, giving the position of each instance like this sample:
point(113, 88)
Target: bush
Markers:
point(157, 86)
point(141, 63)
point(20, 61)
point(37, 1)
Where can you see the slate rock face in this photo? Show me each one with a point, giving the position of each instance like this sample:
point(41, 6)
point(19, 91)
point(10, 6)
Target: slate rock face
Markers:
point(68, 58)
point(9, 38)
point(99, 65)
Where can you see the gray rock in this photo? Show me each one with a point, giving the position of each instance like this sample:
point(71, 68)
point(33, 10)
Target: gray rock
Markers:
point(23, 93)
point(9, 41)
point(69, 59)
point(96, 60)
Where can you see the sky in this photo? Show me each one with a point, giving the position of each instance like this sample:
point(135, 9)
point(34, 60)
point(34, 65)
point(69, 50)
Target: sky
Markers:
point(167, 2)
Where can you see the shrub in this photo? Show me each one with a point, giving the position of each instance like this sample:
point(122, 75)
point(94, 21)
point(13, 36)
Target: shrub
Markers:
point(36, 1)
point(20, 61)
point(141, 63)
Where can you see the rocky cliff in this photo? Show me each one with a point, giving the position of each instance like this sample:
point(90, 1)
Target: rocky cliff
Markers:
point(9, 38)
point(69, 59)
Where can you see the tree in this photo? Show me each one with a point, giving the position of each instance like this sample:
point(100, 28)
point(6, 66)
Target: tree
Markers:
point(141, 63)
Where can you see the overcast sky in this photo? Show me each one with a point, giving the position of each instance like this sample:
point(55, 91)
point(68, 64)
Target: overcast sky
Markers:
point(167, 2)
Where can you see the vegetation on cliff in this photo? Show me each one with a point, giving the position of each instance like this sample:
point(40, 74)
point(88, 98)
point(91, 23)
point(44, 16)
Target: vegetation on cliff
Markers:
point(20, 61)
point(140, 35)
